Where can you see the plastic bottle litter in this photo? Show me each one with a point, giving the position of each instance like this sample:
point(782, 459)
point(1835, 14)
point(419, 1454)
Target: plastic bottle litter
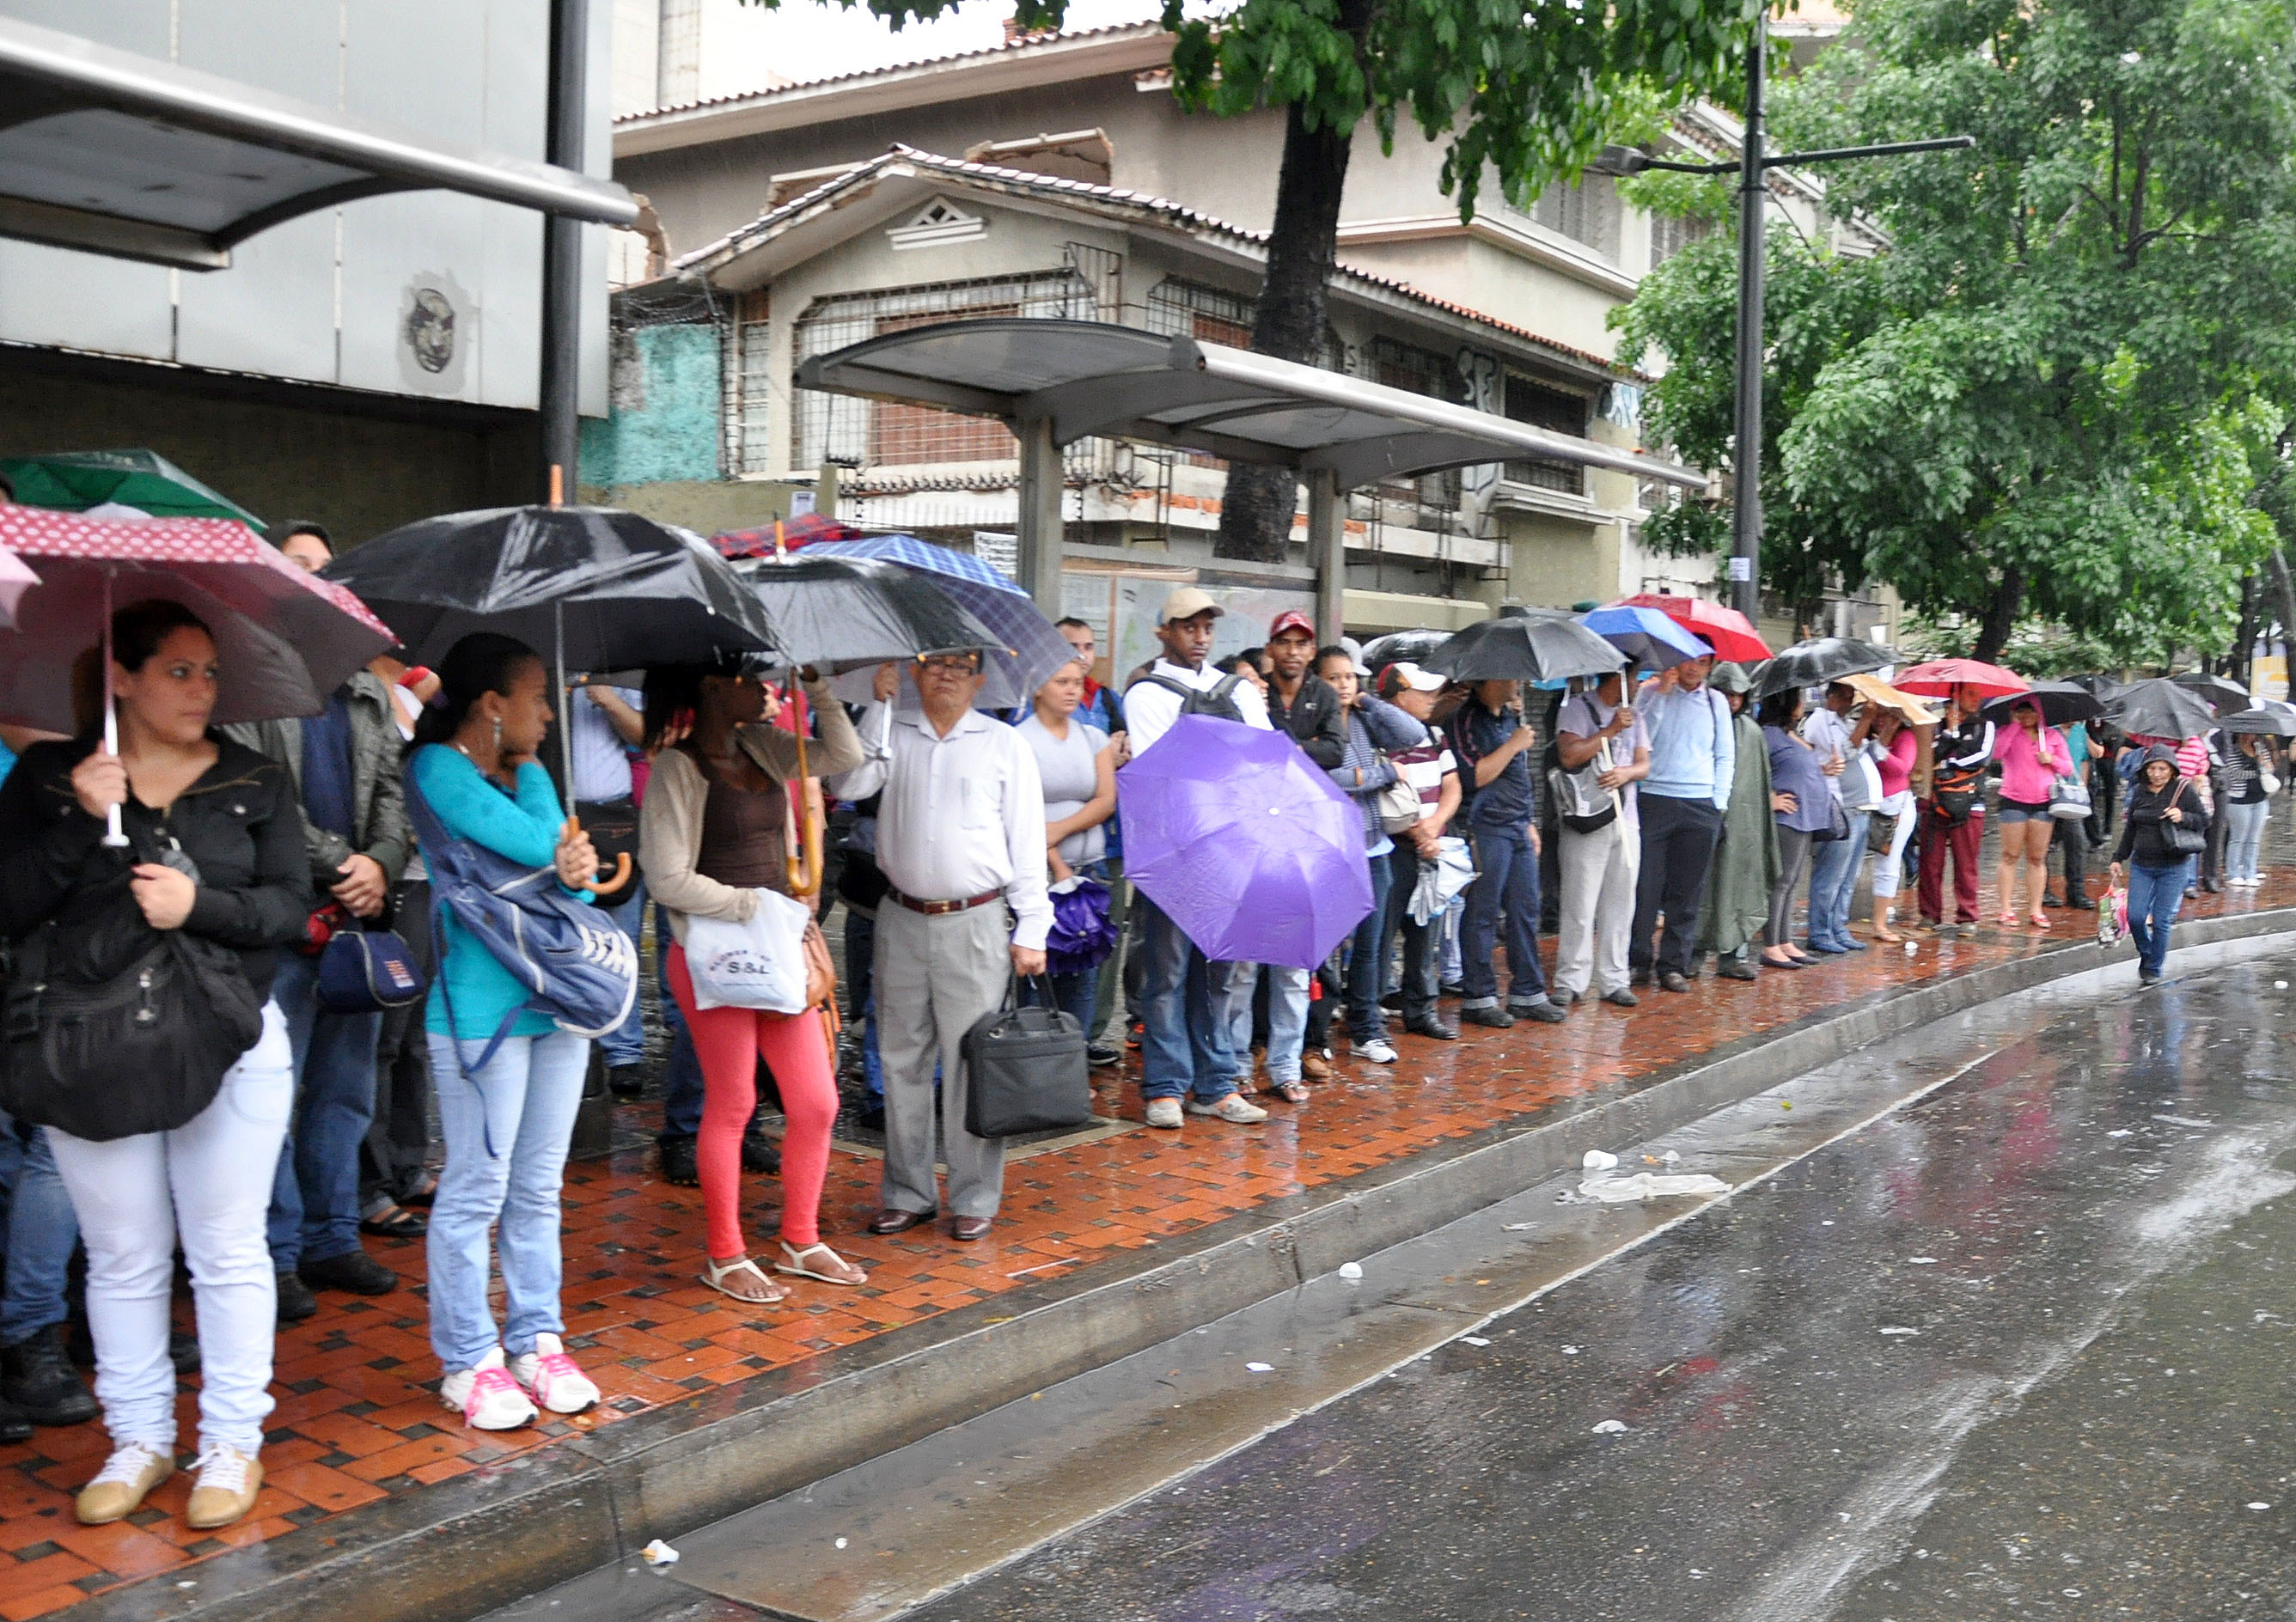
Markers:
point(1596, 1159)
point(1351, 1270)
point(657, 1553)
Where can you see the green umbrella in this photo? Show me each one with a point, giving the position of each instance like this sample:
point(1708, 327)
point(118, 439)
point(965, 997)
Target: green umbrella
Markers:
point(73, 482)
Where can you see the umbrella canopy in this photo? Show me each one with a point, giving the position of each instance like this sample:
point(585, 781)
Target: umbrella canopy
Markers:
point(1644, 635)
point(766, 539)
point(1873, 690)
point(2157, 707)
point(1732, 634)
point(2277, 722)
point(72, 482)
point(1245, 842)
point(1026, 649)
point(620, 589)
point(285, 640)
point(15, 579)
point(2060, 703)
point(853, 613)
point(2225, 694)
point(1540, 646)
point(1818, 661)
point(1941, 677)
point(1402, 648)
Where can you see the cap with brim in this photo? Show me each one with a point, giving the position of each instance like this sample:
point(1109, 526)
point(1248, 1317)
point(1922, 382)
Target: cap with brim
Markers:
point(1416, 679)
point(1291, 620)
point(1187, 601)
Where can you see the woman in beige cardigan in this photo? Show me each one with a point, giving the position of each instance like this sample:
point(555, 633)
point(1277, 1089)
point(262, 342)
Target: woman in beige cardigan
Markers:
point(712, 835)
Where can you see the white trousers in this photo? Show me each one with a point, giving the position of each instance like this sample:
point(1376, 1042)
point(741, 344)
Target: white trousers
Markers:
point(1599, 870)
point(207, 1182)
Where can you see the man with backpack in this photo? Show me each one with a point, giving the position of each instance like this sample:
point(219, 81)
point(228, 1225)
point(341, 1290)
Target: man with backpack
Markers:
point(1185, 1049)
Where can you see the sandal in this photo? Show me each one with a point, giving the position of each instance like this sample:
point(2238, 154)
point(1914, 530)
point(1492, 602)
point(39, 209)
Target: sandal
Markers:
point(715, 1273)
point(1290, 1092)
point(2041, 923)
point(394, 1222)
point(800, 1263)
point(2007, 920)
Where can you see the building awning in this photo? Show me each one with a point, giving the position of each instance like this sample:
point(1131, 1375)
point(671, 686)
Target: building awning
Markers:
point(121, 154)
point(1088, 377)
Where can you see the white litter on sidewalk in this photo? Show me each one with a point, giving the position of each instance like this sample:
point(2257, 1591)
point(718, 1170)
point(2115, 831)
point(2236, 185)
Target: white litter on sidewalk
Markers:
point(657, 1553)
point(1650, 1185)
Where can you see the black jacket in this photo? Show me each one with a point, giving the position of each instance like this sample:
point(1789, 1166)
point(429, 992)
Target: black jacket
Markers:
point(2144, 831)
point(241, 822)
point(1313, 720)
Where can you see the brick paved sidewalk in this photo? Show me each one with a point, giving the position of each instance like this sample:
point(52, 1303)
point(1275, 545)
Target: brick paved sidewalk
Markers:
point(358, 1420)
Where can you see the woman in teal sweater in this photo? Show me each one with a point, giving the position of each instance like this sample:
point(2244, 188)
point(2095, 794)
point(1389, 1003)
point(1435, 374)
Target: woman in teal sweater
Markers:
point(508, 1123)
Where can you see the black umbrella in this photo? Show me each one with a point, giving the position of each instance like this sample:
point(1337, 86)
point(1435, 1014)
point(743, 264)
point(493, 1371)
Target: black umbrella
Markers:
point(1534, 647)
point(842, 613)
point(2060, 703)
point(2278, 722)
point(2225, 694)
point(1820, 661)
point(1403, 647)
point(2157, 707)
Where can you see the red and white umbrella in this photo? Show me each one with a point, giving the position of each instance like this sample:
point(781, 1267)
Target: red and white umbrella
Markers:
point(284, 639)
point(1732, 634)
point(15, 579)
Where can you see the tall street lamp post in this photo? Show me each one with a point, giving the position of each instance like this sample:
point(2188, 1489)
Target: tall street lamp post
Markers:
point(1746, 466)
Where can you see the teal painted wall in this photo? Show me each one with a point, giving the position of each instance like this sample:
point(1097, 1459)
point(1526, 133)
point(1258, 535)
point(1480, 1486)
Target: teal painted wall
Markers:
point(664, 404)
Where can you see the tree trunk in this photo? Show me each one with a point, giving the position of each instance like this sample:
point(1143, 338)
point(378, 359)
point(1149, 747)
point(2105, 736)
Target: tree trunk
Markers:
point(1256, 511)
point(2236, 662)
point(2000, 616)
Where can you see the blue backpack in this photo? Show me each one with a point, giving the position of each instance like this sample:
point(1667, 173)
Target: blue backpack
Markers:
point(577, 966)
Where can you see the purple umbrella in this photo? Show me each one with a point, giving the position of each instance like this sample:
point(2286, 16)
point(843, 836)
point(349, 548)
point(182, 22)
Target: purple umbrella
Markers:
point(1244, 843)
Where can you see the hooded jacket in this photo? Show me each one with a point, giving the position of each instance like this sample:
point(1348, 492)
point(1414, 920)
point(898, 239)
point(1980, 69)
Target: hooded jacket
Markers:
point(2145, 826)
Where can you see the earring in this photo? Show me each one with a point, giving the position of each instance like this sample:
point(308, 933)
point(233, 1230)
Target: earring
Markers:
point(497, 731)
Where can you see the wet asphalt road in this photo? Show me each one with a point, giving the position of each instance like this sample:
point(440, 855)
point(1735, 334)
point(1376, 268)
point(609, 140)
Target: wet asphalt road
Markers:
point(2024, 1347)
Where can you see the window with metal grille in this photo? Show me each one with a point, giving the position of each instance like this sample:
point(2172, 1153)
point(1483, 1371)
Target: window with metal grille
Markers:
point(1190, 310)
point(1670, 235)
point(854, 432)
point(1554, 409)
point(747, 384)
point(1422, 372)
point(1588, 213)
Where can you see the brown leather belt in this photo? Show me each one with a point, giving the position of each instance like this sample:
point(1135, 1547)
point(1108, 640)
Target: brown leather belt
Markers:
point(940, 909)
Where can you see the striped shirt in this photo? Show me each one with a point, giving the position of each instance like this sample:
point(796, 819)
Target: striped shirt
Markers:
point(1424, 767)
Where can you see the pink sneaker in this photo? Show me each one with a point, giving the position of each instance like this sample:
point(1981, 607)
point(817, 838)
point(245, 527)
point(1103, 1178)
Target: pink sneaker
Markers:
point(488, 1397)
point(554, 1378)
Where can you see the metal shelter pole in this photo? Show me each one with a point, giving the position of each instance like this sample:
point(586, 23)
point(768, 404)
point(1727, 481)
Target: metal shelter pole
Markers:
point(1327, 546)
point(560, 380)
point(1039, 537)
point(1746, 458)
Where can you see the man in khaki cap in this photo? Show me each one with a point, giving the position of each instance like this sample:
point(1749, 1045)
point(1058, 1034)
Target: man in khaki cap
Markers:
point(1183, 1048)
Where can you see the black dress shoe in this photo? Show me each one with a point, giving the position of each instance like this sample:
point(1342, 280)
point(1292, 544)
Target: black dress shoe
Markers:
point(296, 1302)
point(894, 1220)
point(1493, 1018)
point(680, 1167)
point(1640, 976)
point(1392, 1001)
point(760, 1155)
point(1549, 1012)
point(39, 1381)
point(1452, 989)
point(1622, 998)
point(1672, 979)
point(1428, 1025)
point(626, 1080)
point(966, 1229)
point(13, 1426)
point(1734, 969)
point(354, 1271)
point(1099, 1055)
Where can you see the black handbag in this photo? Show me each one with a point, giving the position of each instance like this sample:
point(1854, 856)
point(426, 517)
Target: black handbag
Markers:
point(612, 825)
point(1837, 826)
point(2181, 838)
point(1027, 1072)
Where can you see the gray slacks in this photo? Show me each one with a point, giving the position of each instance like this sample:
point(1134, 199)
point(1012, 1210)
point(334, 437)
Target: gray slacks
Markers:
point(934, 978)
point(1598, 872)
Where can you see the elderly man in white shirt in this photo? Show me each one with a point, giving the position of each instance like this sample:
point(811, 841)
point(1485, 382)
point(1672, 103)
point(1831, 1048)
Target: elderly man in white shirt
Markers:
point(1185, 1052)
point(960, 838)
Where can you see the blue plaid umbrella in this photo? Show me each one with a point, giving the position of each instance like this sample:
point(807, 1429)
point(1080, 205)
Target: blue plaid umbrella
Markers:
point(1033, 649)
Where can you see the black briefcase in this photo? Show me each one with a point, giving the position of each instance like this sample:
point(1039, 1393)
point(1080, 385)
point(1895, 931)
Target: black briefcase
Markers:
point(1028, 1072)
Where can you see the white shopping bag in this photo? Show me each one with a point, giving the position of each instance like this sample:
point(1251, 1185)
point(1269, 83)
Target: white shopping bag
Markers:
point(757, 964)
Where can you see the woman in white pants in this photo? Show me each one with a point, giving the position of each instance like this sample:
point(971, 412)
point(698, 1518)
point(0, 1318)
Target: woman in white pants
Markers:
point(1895, 743)
point(1598, 729)
point(236, 873)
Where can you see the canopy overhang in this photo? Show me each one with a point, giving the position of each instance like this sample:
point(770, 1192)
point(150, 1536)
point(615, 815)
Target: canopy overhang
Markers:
point(119, 154)
point(1084, 378)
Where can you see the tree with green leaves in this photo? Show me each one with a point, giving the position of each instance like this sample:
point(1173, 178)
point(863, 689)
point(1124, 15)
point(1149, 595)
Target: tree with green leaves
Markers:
point(2046, 397)
point(1523, 91)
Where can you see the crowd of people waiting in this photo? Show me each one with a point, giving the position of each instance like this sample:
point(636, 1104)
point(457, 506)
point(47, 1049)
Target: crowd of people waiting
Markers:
point(1668, 820)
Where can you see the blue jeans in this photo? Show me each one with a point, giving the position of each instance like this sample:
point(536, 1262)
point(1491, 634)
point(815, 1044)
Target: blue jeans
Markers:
point(39, 1234)
point(681, 1091)
point(1183, 1043)
point(2155, 895)
point(507, 1129)
point(1072, 993)
point(2245, 839)
point(1508, 882)
point(625, 1044)
point(1367, 1019)
point(1238, 985)
point(314, 1189)
point(1833, 870)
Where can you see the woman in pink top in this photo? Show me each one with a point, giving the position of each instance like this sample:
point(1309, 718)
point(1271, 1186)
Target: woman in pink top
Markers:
point(2032, 757)
point(1894, 745)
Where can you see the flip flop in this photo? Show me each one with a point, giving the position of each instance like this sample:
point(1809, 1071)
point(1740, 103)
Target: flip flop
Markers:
point(395, 1222)
point(1290, 1092)
point(794, 1262)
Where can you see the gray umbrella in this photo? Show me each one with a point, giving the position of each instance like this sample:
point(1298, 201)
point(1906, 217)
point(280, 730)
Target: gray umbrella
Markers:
point(2225, 694)
point(2157, 707)
point(1820, 661)
point(2277, 722)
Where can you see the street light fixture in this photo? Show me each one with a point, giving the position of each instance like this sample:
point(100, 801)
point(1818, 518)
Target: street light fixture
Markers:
point(1746, 468)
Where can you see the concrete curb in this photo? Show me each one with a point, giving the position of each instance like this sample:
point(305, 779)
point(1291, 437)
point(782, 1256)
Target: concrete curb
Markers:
point(480, 1541)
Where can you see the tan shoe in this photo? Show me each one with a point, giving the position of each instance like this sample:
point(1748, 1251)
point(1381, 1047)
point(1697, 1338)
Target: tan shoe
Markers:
point(228, 1481)
point(121, 1485)
point(1315, 1067)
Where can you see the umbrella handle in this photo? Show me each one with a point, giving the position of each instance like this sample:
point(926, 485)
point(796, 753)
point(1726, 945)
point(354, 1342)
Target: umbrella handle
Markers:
point(612, 878)
point(114, 834)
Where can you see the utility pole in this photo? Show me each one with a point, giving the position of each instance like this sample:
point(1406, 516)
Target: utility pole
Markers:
point(559, 388)
point(1746, 458)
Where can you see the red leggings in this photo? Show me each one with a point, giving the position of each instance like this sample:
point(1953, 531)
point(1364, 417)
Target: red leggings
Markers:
point(729, 1042)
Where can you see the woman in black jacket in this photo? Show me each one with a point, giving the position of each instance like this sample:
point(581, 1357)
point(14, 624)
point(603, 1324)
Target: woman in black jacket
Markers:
point(215, 849)
point(2158, 802)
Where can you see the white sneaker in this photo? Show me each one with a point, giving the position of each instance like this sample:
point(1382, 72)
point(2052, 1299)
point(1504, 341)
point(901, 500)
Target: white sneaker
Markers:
point(1164, 1113)
point(487, 1397)
point(1234, 1108)
point(553, 1377)
point(1377, 1051)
